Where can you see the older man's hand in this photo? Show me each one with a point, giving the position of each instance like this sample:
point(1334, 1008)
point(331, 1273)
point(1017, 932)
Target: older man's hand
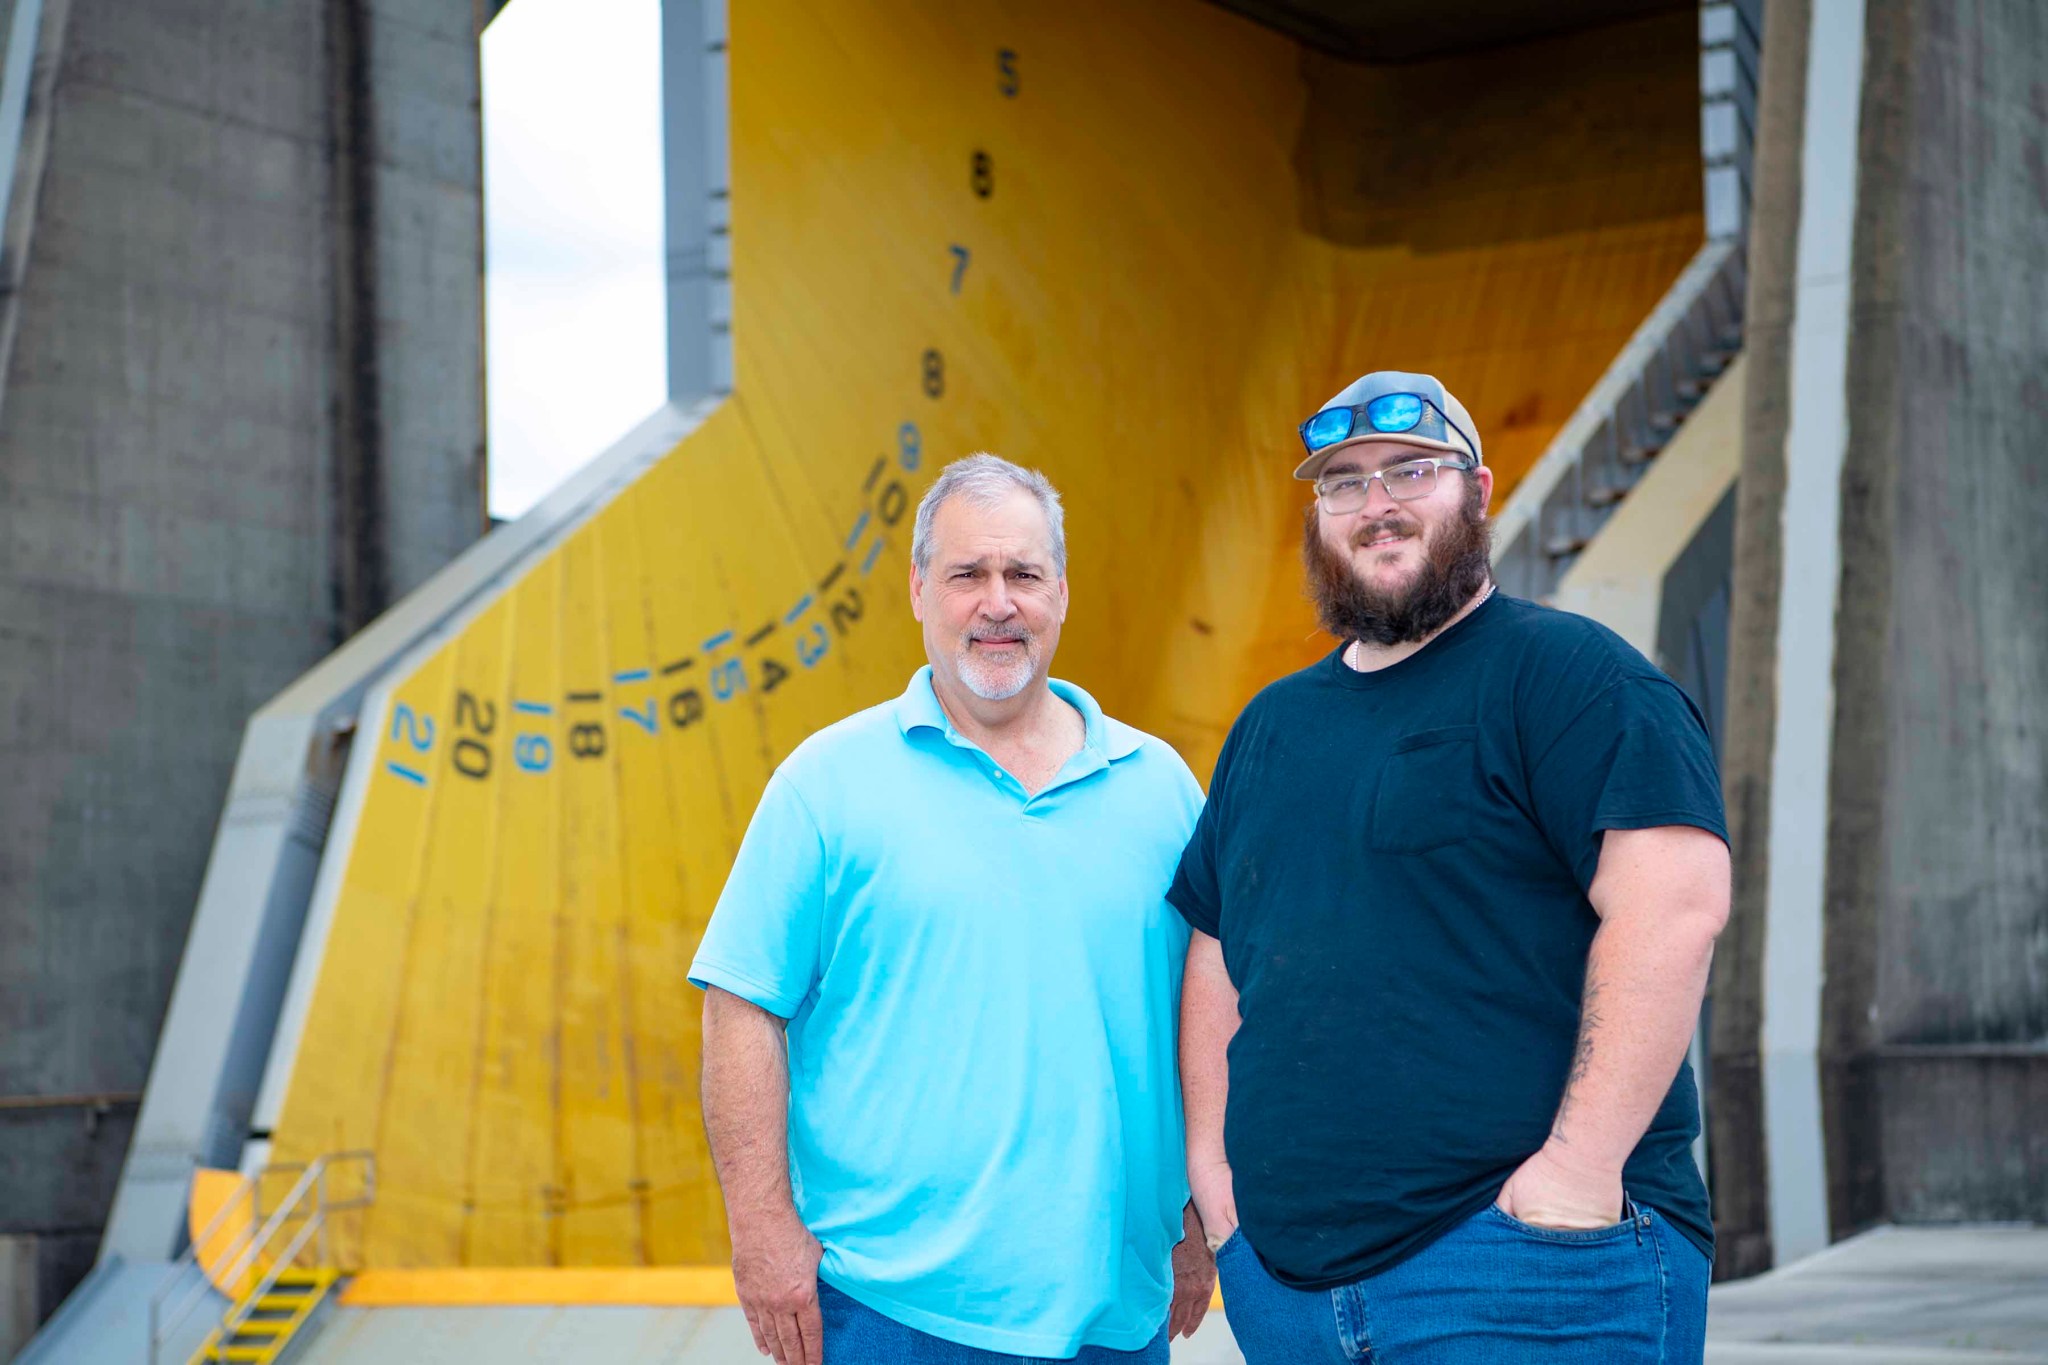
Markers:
point(775, 1271)
point(1194, 1278)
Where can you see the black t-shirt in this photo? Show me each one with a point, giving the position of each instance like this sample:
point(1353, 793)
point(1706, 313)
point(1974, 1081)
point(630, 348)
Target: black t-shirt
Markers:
point(1396, 864)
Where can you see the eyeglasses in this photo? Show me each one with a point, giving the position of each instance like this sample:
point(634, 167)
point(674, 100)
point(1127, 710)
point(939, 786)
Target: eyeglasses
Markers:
point(1343, 493)
point(1394, 414)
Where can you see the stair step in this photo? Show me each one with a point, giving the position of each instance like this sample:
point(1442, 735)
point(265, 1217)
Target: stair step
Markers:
point(243, 1353)
point(263, 1327)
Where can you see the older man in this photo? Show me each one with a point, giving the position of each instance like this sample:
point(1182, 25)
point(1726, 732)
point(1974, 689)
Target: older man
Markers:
point(940, 991)
point(1455, 892)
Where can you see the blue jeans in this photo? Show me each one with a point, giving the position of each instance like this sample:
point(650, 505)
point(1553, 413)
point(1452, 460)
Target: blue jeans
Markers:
point(856, 1334)
point(1491, 1290)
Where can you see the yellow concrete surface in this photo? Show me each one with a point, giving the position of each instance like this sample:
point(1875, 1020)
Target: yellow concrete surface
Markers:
point(216, 1247)
point(1125, 241)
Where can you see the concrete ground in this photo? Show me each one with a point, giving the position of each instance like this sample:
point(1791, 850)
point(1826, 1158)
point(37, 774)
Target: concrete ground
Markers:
point(1895, 1296)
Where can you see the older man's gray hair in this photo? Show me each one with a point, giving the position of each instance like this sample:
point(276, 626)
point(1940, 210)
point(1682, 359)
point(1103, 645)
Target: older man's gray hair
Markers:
point(985, 480)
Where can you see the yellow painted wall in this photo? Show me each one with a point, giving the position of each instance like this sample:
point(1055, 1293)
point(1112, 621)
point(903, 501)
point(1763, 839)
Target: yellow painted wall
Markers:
point(1171, 267)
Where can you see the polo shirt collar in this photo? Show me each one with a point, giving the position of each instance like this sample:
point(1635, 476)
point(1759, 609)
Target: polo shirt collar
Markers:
point(919, 707)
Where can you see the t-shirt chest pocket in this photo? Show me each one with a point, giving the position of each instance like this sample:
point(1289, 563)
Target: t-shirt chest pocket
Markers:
point(1426, 788)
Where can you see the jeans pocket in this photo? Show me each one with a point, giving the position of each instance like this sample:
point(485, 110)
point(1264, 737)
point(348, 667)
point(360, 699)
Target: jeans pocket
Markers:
point(1567, 1236)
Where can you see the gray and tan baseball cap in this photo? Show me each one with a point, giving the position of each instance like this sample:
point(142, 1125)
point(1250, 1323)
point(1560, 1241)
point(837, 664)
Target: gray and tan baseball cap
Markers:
point(1392, 406)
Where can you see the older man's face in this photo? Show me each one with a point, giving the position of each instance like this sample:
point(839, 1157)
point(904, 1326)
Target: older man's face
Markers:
point(991, 601)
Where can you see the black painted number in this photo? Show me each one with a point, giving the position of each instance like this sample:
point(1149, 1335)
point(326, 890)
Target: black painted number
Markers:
point(934, 373)
point(587, 741)
point(472, 759)
point(686, 708)
point(846, 611)
point(982, 175)
point(471, 756)
point(892, 504)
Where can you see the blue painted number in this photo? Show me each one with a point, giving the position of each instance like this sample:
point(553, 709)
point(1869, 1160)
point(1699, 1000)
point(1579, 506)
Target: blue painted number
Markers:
point(533, 753)
point(415, 729)
point(728, 680)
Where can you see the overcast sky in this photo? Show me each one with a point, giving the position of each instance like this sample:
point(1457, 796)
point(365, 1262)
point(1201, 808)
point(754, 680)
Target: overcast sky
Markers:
point(573, 290)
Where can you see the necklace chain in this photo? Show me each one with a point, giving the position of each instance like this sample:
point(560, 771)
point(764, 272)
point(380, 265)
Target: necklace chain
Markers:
point(1354, 659)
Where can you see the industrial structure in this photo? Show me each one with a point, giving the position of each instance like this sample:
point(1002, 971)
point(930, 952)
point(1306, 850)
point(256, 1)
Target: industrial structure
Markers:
point(1747, 299)
point(241, 413)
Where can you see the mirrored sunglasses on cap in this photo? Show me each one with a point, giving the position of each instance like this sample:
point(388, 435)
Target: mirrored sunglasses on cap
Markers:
point(1391, 414)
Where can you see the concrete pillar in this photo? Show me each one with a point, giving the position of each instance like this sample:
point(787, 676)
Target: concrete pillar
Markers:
point(1934, 1041)
point(1740, 1170)
point(241, 411)
point(1882, 996)
point(696, 199)
point(18, 1315)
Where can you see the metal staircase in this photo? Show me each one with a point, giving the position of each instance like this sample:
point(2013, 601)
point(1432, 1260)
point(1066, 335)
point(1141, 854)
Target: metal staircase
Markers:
point(268, 1322)
point(277, 1267)
point(1666, 368)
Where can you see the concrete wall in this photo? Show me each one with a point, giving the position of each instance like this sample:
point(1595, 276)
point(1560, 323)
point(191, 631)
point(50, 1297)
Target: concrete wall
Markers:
point(1929, 1048)
point(1935, 1013)
point(243, 412)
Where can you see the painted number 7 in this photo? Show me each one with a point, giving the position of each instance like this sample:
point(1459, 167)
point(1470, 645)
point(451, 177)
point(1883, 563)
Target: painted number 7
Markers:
point(959, 264)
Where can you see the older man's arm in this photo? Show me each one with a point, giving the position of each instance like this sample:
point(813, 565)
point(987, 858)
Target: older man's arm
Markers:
point(746, 1114)
point(1208, 1021)
point(1662, 896)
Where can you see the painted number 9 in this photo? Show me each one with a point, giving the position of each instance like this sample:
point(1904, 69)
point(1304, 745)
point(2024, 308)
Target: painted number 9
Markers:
point(532, 753)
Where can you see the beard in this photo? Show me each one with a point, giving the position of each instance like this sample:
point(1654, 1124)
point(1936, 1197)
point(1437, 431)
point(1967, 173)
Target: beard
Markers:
point(1456, 562)
point(993, 679)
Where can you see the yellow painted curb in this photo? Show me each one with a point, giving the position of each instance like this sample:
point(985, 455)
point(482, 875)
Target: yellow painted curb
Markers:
point(683, 1286)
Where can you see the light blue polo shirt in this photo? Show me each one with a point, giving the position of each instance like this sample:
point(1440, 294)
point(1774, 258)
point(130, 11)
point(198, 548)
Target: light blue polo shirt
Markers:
point(982, 990)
